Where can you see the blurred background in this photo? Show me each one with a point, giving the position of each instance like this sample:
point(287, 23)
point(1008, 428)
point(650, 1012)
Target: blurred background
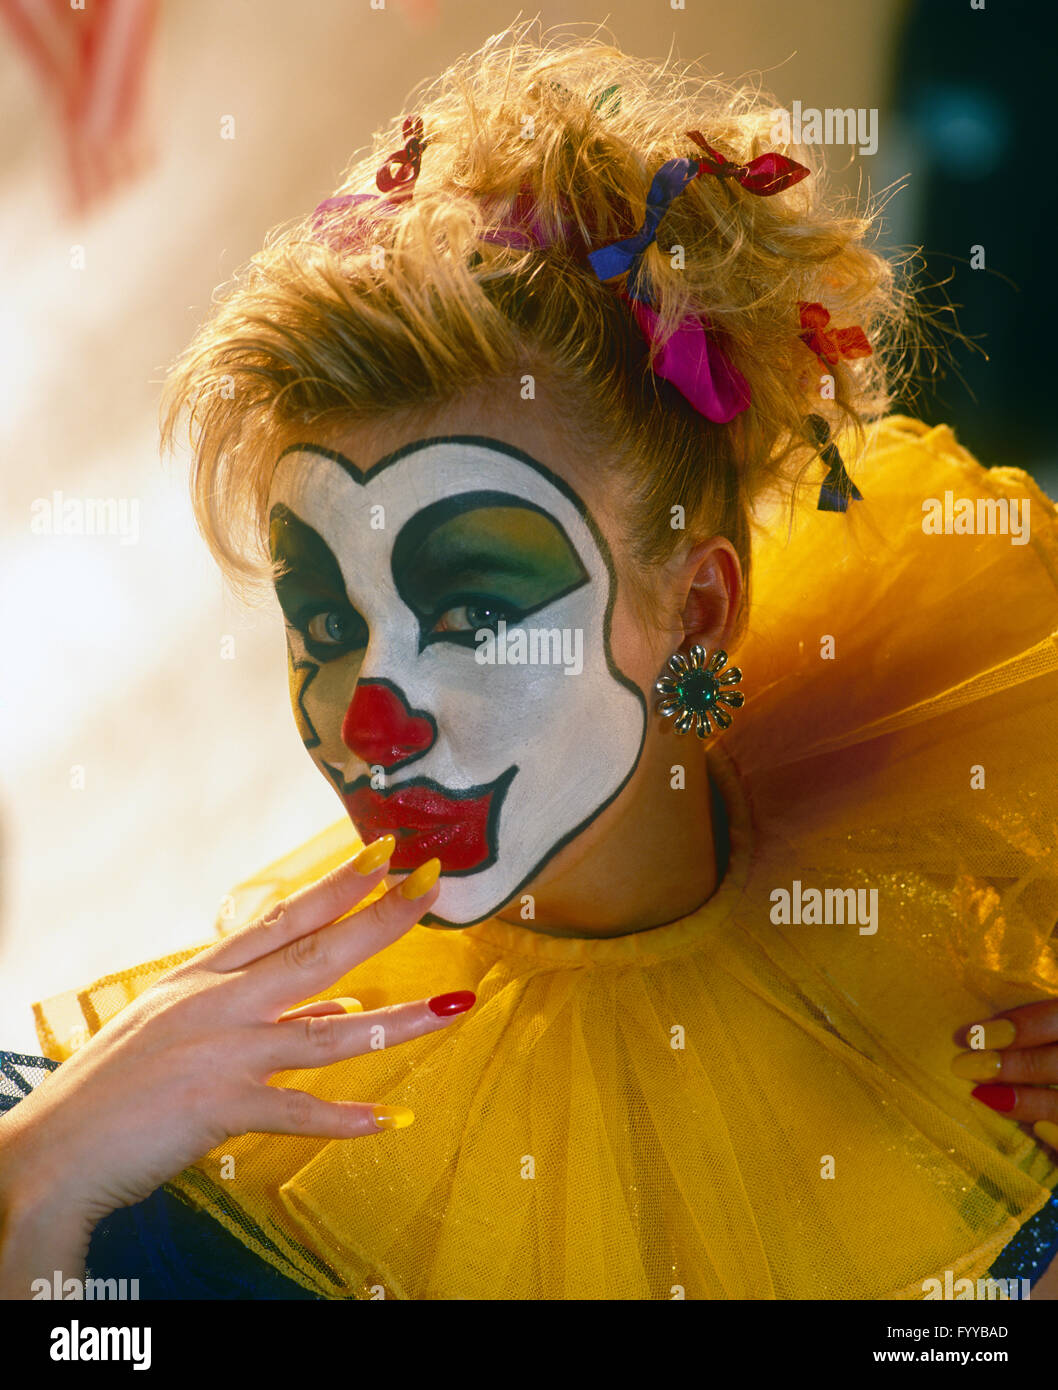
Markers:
point(148, 756)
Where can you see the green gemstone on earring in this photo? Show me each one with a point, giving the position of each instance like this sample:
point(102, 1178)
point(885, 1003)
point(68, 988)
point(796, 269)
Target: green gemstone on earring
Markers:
point(693, 692)
point(697, 691)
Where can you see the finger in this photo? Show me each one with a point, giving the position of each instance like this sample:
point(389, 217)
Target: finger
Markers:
point(312, 907)
point(1025, 1103)
point(313, 962)
point(1047, 1132)
point(276, 1110)
point(1030, 1025)
point(320, 1039)
point(322, 1007)
point(1033, 1066)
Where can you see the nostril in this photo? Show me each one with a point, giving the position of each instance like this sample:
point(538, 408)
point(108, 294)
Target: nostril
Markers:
point(379, 727)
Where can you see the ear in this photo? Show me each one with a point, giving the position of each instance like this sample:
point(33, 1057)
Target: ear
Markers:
point(713, 578)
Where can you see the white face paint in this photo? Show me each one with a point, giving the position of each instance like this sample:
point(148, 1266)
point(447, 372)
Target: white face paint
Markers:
point(448, 616)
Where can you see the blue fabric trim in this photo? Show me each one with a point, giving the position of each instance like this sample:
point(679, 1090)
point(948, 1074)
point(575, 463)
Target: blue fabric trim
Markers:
point(1032, 1249)
point(177, 1252)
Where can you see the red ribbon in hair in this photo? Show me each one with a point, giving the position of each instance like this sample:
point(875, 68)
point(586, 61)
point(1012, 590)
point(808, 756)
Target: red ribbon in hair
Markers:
point(839, 342)
point(351, 232)
point(399, 182)
point(767, 174)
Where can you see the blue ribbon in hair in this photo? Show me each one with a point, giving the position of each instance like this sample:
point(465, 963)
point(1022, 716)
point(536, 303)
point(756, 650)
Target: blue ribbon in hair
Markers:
point(621, 256)
point(838, 489)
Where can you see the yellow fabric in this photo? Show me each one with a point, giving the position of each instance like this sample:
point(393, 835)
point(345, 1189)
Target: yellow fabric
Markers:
point(643, 1115)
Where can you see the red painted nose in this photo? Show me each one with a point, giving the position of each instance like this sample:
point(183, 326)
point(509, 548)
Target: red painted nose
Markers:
point(380, 728)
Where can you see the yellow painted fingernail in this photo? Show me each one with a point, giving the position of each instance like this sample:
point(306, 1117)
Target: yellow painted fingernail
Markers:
point(1048, 1132)
point(976, 1066)
point(376, 854)
point(351, 1006)
point(999, 1033)
point(422, 880)
point(392, 1116)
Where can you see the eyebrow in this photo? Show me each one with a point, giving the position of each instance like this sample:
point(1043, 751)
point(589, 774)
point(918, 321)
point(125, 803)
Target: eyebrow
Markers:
point(479, 557)
point(310, 566)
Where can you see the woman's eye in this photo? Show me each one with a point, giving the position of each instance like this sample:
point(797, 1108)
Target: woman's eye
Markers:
point(470, 617)
point(328, 628)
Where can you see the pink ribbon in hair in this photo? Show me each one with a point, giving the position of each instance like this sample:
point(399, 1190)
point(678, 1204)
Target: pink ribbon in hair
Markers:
point(691, 358)
point(524, 231)
point(694, 362)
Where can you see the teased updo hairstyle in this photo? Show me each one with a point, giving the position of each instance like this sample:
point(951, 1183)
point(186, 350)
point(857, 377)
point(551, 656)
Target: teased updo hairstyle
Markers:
point(309, 334)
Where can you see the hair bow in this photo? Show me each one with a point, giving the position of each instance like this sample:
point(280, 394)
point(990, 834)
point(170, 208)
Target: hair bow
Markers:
point(693, 361)
point(837, 489)
point(839, 342)
point(766, 175)
point(691, 358)
point(621, 256)
point(406, 160)
point(397, 186)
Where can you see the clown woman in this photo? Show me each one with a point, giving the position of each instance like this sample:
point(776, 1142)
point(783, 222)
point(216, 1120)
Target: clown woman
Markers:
point(692, 815)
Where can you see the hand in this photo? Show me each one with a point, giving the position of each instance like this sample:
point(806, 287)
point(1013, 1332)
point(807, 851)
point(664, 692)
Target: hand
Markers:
point(185, 1065)
point(1015, 1055)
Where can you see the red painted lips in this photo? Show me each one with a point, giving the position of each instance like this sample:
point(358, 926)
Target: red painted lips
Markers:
point(426, 823)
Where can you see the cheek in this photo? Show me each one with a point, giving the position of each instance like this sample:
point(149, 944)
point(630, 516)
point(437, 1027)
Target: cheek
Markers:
point(640, 649)
point(299, 674)
point(319, 697)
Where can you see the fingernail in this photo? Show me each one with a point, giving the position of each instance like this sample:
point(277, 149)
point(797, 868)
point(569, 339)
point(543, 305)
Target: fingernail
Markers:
point(996, 1097)
point(422, 880)
point(375, 855)
point(999, 1033)
point(445, 1005)
point(392, 1116)
point(976, 1066)
point(1043, 1129)
point(351, 1006)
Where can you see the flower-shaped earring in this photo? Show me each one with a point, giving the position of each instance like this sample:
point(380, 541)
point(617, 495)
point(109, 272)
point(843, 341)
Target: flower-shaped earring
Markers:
point(696, 693)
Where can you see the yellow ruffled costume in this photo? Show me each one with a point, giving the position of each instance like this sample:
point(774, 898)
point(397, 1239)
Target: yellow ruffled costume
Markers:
point(640, 1116)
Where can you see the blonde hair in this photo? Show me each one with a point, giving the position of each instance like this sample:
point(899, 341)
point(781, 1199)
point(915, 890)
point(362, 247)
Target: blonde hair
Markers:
point(311, 334)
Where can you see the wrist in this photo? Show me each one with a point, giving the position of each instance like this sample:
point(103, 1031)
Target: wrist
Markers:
point(43, 1226)
point(39, 1235)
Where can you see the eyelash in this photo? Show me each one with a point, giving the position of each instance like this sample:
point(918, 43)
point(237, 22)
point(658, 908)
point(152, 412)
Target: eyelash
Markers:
point(322, 647)
point(504, 611)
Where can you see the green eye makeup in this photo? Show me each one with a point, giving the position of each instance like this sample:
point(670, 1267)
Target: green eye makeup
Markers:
point(481, 556)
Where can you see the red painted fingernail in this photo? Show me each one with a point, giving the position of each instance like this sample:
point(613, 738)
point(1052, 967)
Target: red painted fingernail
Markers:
point(445, 1005)
point(998, 1097)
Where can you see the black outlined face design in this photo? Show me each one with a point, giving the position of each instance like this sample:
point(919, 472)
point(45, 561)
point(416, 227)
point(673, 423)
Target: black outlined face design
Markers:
point(448, 614)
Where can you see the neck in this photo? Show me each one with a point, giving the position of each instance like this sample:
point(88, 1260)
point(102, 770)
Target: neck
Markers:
point(650, 859)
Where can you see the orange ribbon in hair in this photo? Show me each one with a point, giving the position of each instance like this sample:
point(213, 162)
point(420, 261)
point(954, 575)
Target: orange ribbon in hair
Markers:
point(839, 342)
